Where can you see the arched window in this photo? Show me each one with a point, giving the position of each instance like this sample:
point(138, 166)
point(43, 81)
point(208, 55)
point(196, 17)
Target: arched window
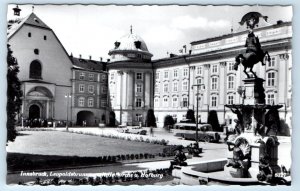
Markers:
point(35, 70)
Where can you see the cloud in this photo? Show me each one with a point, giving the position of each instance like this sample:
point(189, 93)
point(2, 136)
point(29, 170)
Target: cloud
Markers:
point(162, 34)
point(188, 22)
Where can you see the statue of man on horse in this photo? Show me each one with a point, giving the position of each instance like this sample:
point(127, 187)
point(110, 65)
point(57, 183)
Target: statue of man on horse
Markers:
point(254, 52)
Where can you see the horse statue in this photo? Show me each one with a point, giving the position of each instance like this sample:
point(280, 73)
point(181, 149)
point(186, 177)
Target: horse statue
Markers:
point(253, 55)
point(254, 52)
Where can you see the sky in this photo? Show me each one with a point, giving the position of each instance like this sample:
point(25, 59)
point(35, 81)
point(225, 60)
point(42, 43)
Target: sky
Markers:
point(91, 30)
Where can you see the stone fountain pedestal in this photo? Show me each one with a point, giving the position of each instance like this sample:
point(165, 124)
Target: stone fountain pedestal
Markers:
point(255, 142)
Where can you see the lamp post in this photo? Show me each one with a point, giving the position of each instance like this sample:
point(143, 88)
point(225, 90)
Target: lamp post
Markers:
point(197, 96)
point(67, 96)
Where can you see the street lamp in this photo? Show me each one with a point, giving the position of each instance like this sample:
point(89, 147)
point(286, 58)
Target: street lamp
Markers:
point(197, 96)
point(67, 96)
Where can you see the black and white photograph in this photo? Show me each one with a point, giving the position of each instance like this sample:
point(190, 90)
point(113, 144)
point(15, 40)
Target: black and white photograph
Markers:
point(149, 95)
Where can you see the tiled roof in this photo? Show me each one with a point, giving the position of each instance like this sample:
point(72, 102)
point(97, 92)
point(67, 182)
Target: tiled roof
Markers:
point(87, 64)
point(32, 19)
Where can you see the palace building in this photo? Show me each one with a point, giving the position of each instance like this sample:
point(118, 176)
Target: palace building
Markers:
point(170, 84)
point(61, 87)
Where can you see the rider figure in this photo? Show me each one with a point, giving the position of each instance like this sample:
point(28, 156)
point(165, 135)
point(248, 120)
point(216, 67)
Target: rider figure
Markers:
point(253, 44)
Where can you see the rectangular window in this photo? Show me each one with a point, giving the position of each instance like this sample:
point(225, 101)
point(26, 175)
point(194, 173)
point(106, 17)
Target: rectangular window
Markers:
point(214, 83)
point(213, 101)
point(175, 86)
point(165, 102)
point(139, 88)
point(103, 77)
point(112, 76)
point(81, 88)
point(230, 66)
point(215, 69)
point(103, 103)
point(91, 77)
point(156, 102)
point(230, 99)
point(91, 89)
point(166, 88)
point(199, 70)
point(272, 62)
point(175, 73)
point(103, 89)
point(184, 86)
point(270, 99)
point(139, 117)
point(230, 82)
point(139, 76)
point(175, 102)
point(166, 75)
point(156, 88)
point(271, 79)
point(138, 102)
point(81, 102)
point(185, 102)
point(90, 102)
point(185, 72)
point(157, 75)
point(81, 75)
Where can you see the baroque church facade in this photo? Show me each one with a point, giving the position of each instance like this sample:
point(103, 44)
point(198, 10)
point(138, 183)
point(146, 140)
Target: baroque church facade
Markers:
point(62, 87)
point(56, 87)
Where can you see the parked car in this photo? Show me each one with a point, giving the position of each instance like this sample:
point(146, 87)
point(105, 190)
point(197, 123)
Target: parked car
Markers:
point(133, 130)
point(188, 131)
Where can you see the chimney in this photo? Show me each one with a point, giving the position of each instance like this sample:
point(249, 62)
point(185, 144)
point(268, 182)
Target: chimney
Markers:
point(90, 57)
point(80, 56)
point(100, 59)
point(108, 60)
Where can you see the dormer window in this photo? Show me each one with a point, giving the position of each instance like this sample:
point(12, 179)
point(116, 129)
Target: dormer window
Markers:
point(117, 44)
point(138, 44)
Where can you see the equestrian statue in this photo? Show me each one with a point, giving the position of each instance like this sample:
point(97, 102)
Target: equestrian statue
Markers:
point(254, 53)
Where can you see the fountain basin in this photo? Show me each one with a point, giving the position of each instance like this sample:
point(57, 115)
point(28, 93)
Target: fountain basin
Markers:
point(209, 173)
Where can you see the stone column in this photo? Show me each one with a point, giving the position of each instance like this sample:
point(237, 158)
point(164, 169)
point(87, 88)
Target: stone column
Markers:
point(147, 89)
point(206, 79)
point(47, 109)
point(192, 89)
point(282, 78)
point(119, 88)
point(222, 84)
point(130, 89)
point(125, 89)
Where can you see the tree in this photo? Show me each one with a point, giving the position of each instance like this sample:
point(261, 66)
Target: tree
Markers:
point(169, 121)
point(213, 120)
point(103, 118)
point(190, 114)
point(150, 118)
point(112, 119)
point(14, 94)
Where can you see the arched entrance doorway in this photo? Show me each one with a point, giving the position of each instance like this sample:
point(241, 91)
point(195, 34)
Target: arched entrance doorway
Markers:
point(34, 112)
point(86, 116)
